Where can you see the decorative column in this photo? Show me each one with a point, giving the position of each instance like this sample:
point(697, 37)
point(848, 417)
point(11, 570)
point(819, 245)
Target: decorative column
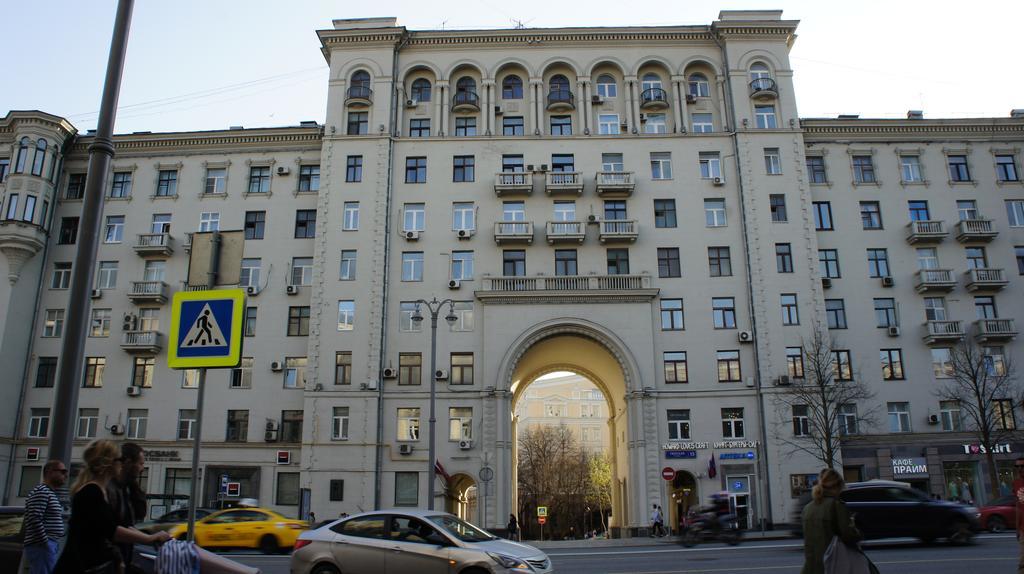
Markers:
point(679, 87)
point(581, 98)
point(720, 86)
point(489, 100)
point(400, 112)
point(446, 106)
point(588, 106)
point(537, 91)
point(634, 105)
point(439, 87)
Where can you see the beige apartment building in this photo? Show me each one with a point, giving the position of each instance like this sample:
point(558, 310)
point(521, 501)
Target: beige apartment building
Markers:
point(640, 206)
point(568, 400)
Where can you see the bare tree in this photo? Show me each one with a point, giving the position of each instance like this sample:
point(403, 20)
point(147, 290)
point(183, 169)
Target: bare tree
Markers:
point(986, 390)
point(554, 471)
point(812, 396)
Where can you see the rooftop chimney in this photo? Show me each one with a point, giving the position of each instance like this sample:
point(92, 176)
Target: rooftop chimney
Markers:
point(915, 114)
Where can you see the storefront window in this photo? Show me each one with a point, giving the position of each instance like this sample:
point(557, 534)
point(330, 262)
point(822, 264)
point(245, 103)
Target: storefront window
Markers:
point(960, 479)
point(1004, 469)
point(801, 483)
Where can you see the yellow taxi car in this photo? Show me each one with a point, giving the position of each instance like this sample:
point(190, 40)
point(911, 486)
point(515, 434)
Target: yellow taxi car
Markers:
point(244, 528)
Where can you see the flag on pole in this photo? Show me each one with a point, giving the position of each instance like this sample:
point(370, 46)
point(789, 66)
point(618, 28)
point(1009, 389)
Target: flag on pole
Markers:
point(439, 469)
point(711, 467)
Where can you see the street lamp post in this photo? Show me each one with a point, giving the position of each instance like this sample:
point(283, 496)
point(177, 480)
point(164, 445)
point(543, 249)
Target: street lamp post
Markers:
point(434, 306)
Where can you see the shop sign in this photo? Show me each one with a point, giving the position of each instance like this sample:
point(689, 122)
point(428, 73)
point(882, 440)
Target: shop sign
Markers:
point(737, 444)
point(749, 455)
point(169, 455)
point(912, 467)
point(692, 445)
point(680, 454)
point(979, 449)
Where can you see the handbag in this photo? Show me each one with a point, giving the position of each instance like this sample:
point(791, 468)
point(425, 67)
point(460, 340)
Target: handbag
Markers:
point(842, 558)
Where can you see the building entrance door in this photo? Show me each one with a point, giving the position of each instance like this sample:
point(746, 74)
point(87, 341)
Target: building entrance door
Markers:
point(740, 499)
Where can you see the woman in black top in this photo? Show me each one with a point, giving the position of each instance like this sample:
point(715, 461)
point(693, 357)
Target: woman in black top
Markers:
point(93, 530)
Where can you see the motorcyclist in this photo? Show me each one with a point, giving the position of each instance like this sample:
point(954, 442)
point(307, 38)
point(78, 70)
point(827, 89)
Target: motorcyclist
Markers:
point(719, 507)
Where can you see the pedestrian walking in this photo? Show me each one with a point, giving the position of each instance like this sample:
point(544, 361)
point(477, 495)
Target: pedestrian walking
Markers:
point(44, 523)
point(93, 530)
point(655, 517)
point(824, 518)
point(513, 527)
point(128, 498)
point(661, 522)
point(1018, 494)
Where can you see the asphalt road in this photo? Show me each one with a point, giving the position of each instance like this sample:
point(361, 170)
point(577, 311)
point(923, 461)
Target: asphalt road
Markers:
point(989, 554)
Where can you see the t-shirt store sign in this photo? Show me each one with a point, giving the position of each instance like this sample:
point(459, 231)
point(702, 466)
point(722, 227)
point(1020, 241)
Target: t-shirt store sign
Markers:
point(910, 467)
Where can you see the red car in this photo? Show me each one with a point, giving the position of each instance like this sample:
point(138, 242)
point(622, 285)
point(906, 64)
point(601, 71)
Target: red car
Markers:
point(999, 515)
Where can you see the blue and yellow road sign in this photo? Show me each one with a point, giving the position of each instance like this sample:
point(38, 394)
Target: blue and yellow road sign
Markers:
point(206, 329)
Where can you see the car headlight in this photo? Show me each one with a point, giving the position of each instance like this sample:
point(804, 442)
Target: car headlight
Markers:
point(508, 561)
point(973, 512)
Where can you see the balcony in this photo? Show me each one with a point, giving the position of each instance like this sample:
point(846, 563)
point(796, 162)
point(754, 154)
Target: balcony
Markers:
point(142, 342)
point(986, 279)
point(936, 332)
point(154, 244)
point(618, 230)
point(560, 100)
point(995, 330)
point(615, 183)
point(935, 280)
point(568, 289)
point(148, 292)
point(653, 99)
point(969, 230)
point(513, 232)
point(359, 96)
point(763, 89)
point(563, 182)
point(513, 182)
point(566, 231)
point(465, 101)
point(926, 232)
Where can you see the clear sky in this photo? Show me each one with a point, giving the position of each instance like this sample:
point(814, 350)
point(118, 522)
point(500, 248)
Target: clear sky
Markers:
point(210, 64)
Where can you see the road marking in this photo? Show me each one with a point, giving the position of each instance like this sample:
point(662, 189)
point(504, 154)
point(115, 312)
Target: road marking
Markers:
point(792, 567)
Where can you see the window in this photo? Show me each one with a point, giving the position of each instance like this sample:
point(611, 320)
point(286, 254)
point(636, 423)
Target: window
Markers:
point(801, 421)
point(305, 223)
point(88, 420)
point(949, 414)
point(462, 265)
point(664, 213)
point(348, 265)
point(714, 213)
point(870, 215)
point(719, 262)
point(565, 262)
point(1015, 212)
point(847, 418)
point(995, 360)
point(358, 123)
point(728, 366)
point(249, 326)
point(828, 261)
point(661, 166)
point(672, 315)
point(618, 261)
point(99, 323)
point(1018, 253)
point(513, 263)
point(46, 372)
point(675, 367)
point(354, 169)
point(350, 216)
point(910, 169)
point(562, 163)
point(724, 312)
point(346, 315)
point(512, 126)
point(654, 123)
point(606, 86)
point(410, 369)
point(38, 423)
point(1002, 411)
point(899, 417)
point(764, 117)
point(795, 362)
point(842, 370)
point(985, 307)
point(237, 426)
point(958, 171)
point(835, 311)
point(710, 165)
point(122, 185)
point(309, 178)
point(420, 90)
point(94, 369)
point(339, 424)
point(679, 424)
point(885, 313)
point(216, 181)
point(967, 210)
point(295, 372)
point(790, 312)
point(30, 208)
point(863, 169)
point(302, 271)
point(143, 371)
point(976, 258)
point(298, 321)
point(138, 420)
point(463, 216)
point(419, 128)
point(186, 423)
point(460, 423)
point(255, 224)
point(463, 311)
point(777, 206)
point(608, 124)
point(413, 217)
point(415, 170)
point(259, 179)
point(412, 266)
point(68, 231)
point(732, 423)
point(114, 230)
point(816, 169)
point(668, 262)
point(209, 221)
point(942, 363)
point(927, 258)
point(19, 163)
point(878, 263)
point(408, 424)
point(291, 426)
point(772, 161)
point(465, 127)
point(5, 166)
point(702, 123)
point(190, 379)
point(463, 168)
point(39, 157)
point(407, 488)
point(822, 215)
point(106, 276)
point(698, 86)
point(287, 493)
point(935, 308)
point(918, 210)
point(241, 376)
point(167, 183)
point(892, 364)
point(149, 319)
point(461, 369)
point(53, 323)
point(1006, 168)
point(783, 258)
point(561, 125)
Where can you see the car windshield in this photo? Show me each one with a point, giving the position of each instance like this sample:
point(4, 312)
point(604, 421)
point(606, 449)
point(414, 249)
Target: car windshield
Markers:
point(460, 529)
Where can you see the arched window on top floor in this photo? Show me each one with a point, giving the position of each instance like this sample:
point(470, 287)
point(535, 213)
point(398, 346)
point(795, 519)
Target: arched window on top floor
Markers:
point(361, 78)
point(420, 90)
point(359, 85)
point(759, 70)
point(19, 162)
point(512, 87)
point(39, 158)
point(607, 86)
point(559, 83)
point(465, 85)
point(699, 86)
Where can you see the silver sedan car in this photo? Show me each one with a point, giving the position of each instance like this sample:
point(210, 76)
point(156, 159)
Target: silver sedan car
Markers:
point(418, 541)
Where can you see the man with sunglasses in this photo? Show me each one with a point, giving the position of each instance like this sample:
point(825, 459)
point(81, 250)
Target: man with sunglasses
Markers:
point(1018, 493)
point(44, 521)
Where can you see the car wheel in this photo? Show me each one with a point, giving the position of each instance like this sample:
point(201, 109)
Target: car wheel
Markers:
point(268, 544)
point(474, 571)
point(324, 569)
point(996, 524)
point(962, 533)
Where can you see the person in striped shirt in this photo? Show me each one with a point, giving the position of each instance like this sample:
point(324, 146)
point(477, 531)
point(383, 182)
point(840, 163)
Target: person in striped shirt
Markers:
point(44, 523)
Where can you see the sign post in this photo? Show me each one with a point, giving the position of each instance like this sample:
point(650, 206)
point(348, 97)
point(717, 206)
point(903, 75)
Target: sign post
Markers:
point(542, 517)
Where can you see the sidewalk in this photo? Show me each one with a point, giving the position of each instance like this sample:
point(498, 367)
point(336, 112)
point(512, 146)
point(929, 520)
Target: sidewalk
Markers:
point(748, 536)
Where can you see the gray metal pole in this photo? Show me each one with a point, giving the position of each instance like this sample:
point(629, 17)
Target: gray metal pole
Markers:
point(194, 489)
point(76, 327)
point(433, 419)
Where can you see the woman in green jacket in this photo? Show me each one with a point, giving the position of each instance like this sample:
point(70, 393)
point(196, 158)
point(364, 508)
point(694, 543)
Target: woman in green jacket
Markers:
point(824, 518)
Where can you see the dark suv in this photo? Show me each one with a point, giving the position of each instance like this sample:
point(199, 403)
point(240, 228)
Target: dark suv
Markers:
point(886, 509)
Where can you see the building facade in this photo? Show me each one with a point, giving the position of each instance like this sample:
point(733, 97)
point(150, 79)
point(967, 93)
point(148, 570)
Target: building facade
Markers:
point(640, 206)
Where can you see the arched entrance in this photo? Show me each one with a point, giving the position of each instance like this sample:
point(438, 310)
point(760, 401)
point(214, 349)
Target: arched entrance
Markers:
point(684, 495)
point(461, 498)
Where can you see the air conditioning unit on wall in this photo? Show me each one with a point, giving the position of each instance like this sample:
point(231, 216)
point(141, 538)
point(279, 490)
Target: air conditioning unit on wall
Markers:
point(745, 336)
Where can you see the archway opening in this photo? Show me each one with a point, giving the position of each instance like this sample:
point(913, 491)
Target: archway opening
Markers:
point(685, 496)
point(461, 497)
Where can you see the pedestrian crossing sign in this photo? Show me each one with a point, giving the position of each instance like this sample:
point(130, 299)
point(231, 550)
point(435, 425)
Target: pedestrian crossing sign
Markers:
point(206, 329)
